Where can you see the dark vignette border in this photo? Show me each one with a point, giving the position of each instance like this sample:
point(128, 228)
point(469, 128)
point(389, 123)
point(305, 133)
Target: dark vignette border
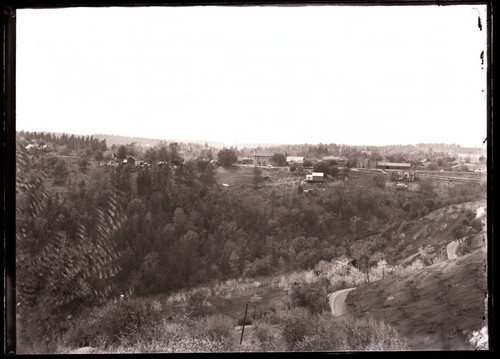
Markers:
point(8, 130)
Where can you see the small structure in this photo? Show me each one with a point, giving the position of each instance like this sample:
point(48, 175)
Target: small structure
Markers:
point(346, 260)
point(262, 158)
point(35, 146)
point(393, 165)
point(315, 177)
point(294, 159)
point(129, 160)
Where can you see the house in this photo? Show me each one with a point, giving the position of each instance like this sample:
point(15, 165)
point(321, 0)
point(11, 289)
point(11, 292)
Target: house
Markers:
point(341, 161)
point(294, 159)
point(393, 165)
point(315, 177)
point(129, 160)
point(346, 260)
point(35, 146)
point(262, 158)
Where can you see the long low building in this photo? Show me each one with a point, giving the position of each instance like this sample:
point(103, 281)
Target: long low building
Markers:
point(393, 165)
point(294, 159)
point(315, 177)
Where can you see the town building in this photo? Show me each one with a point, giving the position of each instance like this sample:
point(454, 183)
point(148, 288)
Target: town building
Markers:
point(262, 158)
point(294, 160)
point(129, 160)
point(393, 165)
point(315, 177)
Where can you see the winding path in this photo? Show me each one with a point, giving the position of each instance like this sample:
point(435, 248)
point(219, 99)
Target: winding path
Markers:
point(451, 250)
point(337, 301)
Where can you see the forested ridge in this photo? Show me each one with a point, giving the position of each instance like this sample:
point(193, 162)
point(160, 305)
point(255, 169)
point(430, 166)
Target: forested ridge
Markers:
point(87, 231)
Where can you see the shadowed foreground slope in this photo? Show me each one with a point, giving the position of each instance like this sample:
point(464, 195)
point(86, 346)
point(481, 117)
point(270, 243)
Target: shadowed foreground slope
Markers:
point(437, 307)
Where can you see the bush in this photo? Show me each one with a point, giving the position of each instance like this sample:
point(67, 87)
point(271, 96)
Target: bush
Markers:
point(350, 334)
point(370, 334)
point(215, 331)
point(267, 337)
point(123, 323)
point(295, 324)
point(312, 297)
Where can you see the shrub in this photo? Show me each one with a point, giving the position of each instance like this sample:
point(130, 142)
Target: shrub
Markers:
point(295, 324)
point(312, 296)
point(370, 334)
point(215, 332)
point(267, 337)
point(350, 334)
point(122, 323)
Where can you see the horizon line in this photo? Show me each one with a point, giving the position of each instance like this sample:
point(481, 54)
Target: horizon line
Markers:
point(255, 144)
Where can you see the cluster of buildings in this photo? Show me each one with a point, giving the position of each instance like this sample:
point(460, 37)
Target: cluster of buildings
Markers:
point(265, 158)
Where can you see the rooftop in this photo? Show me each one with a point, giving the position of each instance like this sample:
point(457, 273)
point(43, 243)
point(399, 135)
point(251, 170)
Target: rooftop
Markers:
point(398, 164)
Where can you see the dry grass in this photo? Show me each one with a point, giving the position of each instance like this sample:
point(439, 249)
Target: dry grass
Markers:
point(436, 307)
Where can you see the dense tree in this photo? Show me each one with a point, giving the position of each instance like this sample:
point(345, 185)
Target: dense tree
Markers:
point(61, 171)
point(58, 272)
point(279, 159)
point(122, 153)
point(257, 177)
point(328, 167)
point(83, 163)
point(144, 183)
point(174, 154)
point(227, 157)
point(98, 156)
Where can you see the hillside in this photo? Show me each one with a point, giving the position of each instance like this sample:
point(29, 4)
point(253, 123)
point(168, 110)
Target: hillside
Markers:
point(184, 243)
point(437, 307)
point(148, 142)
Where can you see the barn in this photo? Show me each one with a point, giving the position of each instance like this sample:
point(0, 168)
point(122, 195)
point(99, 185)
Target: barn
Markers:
point(393, 165)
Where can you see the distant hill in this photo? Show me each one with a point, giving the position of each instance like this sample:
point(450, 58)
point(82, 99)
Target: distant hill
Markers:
point(123, 140)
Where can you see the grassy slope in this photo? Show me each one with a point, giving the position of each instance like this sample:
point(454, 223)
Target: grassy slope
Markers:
point(437, 307)
point(436, 228)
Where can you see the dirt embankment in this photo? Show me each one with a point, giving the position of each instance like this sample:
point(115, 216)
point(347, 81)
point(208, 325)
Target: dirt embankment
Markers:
point(436, 307)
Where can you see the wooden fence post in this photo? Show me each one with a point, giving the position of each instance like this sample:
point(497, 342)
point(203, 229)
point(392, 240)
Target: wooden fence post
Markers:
point(244, 321)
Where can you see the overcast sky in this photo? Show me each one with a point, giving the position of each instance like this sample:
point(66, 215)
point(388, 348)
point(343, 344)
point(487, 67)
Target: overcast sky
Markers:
point(358, 75)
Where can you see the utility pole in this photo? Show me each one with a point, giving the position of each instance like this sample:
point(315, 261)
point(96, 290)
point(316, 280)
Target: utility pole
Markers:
point(244, 321)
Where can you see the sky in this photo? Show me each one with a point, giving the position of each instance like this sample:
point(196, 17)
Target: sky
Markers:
point(355, 75)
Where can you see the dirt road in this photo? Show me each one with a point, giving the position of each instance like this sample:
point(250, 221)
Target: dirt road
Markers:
point(451, 250)
point(337, 301)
